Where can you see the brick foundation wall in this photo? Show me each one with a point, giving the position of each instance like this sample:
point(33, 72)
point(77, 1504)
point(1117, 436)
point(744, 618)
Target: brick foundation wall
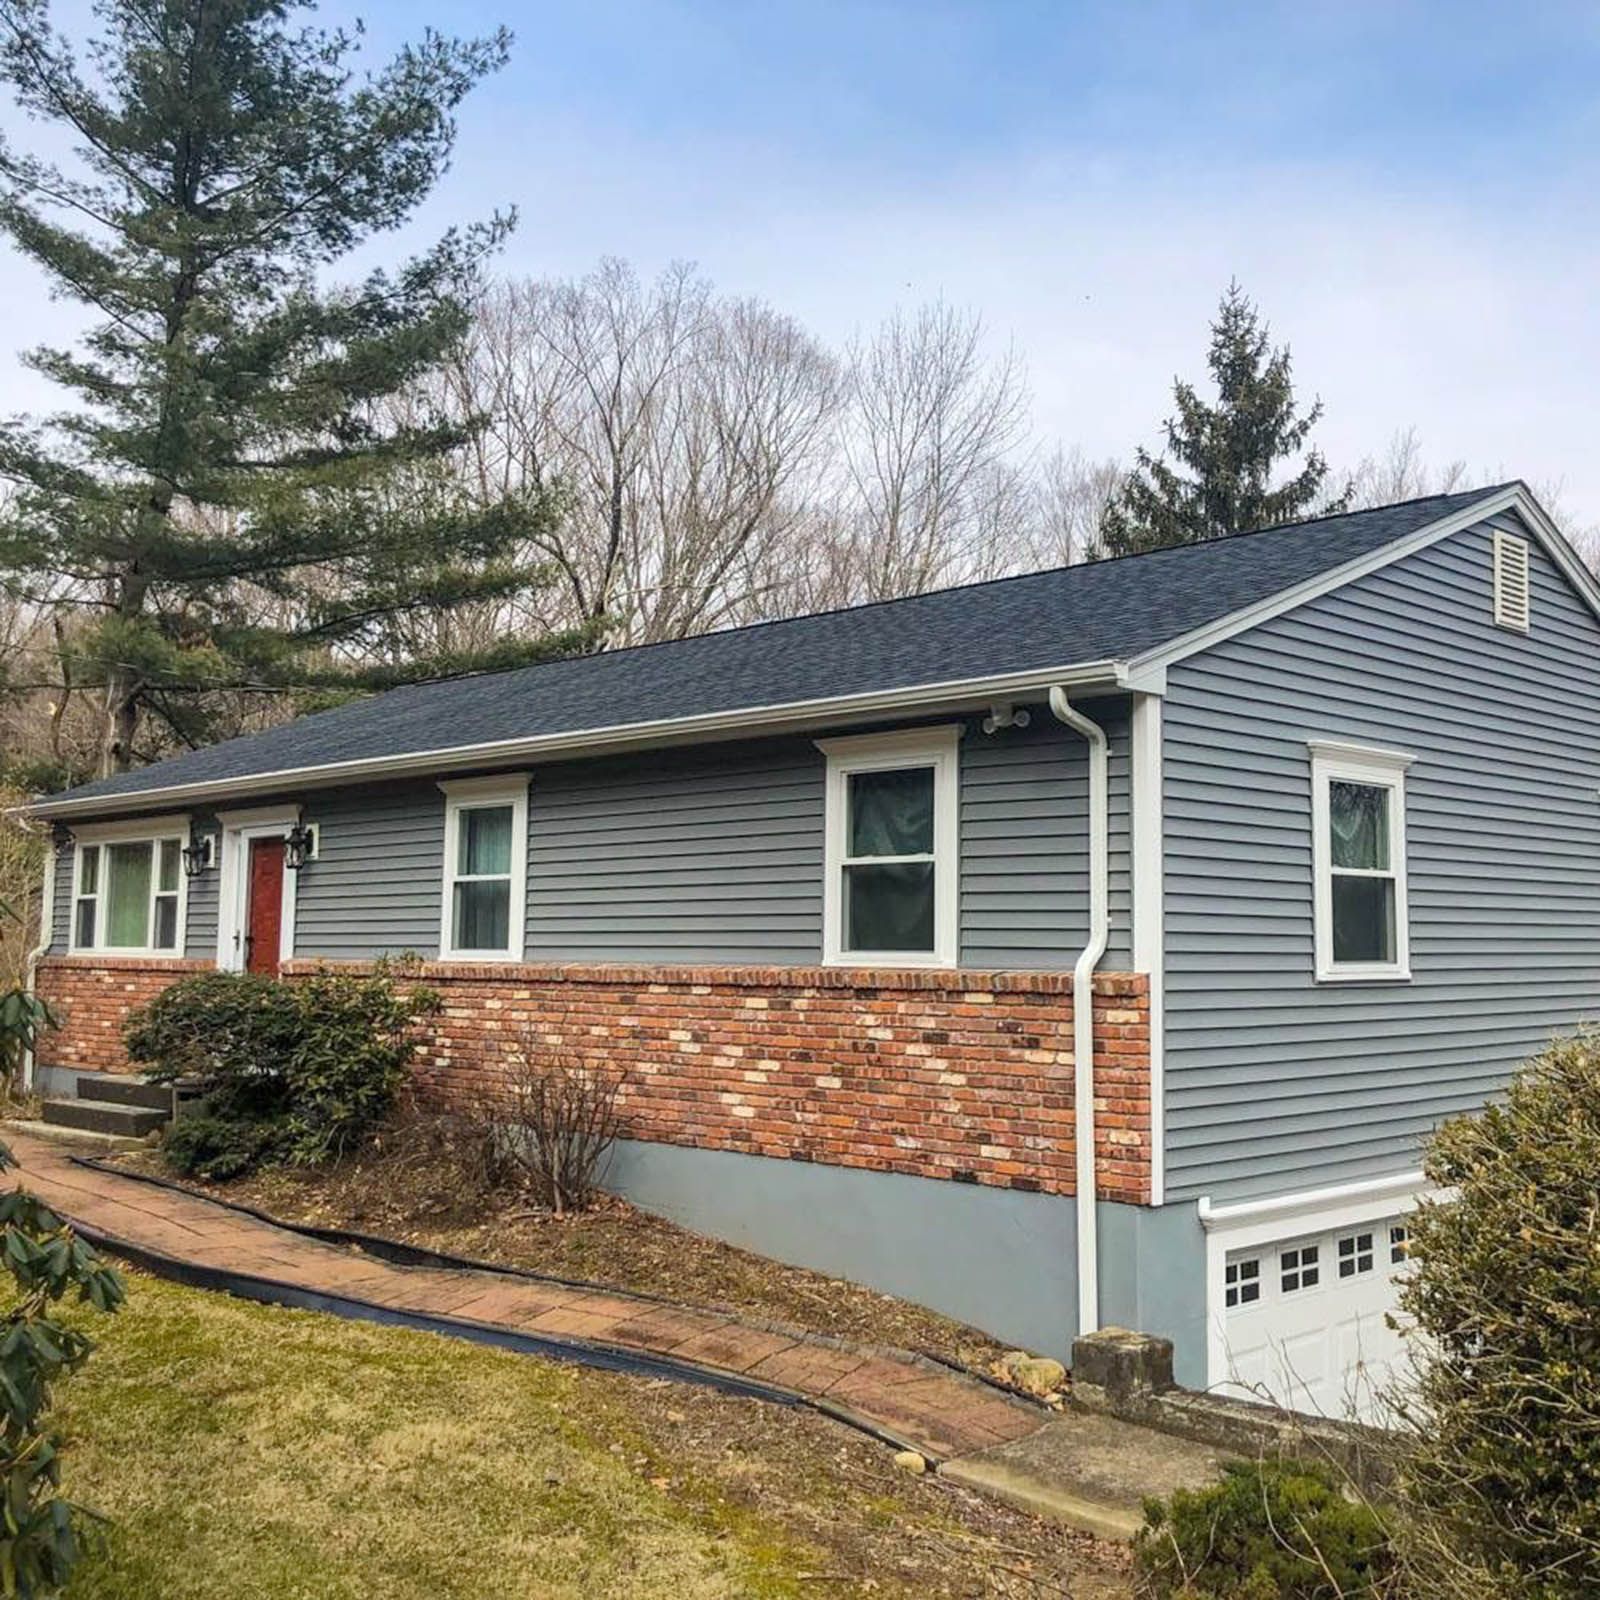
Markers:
point(91, 996)
point(958, 1075)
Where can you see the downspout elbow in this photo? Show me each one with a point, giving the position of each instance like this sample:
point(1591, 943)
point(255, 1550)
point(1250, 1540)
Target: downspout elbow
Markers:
point(1083, 1085)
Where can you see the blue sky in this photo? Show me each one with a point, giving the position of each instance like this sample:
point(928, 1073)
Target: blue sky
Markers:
point(1408, 190)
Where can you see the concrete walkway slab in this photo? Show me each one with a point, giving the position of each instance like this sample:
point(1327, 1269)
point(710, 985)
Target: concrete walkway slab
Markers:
point(1090, 1472)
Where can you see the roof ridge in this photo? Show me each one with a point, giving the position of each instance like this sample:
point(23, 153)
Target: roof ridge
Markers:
point(977, 583)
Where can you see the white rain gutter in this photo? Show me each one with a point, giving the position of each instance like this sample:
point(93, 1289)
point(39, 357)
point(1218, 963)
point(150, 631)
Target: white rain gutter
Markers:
point(47, 917)
point(1083, 1005)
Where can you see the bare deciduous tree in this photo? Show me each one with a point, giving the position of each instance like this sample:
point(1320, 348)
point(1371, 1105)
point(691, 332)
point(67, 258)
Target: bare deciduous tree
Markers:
point(1070, 495)
point(686, 433)
point(930, 431)
point(1401, 472)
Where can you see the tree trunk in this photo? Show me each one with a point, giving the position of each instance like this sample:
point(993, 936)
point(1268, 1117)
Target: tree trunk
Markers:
point(122, 721)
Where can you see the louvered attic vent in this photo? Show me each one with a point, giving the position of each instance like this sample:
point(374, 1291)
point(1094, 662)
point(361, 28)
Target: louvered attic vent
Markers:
point(1510, 582)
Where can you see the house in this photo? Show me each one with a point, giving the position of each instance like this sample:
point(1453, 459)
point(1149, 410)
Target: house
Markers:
point(1294, 836)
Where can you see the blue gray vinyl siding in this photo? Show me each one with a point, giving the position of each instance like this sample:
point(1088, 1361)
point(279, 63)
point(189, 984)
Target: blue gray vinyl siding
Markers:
point(708, 854)
point(703, 855)
point(1025, 843)
point(376, 885)
point(714, 854)
point(61, 923)
point(1276, 1083)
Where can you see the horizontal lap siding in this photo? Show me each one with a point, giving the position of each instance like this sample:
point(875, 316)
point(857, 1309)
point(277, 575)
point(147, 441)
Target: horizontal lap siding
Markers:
point(711, 854)
point(1025, 838)
point(1276, 1083)
point(376, 884)
point(61, 920)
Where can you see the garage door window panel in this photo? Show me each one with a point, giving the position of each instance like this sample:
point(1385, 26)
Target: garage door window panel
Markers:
point(1299, 1268)
point(1355, 1254)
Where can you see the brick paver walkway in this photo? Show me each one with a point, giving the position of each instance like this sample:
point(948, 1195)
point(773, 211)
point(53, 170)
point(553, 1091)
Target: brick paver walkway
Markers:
point(940, 1413)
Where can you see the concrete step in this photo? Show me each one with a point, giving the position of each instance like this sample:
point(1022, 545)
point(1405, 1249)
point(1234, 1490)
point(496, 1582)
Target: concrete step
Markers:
point(123, 1089)
point(78, 1138)
point(103, 1116)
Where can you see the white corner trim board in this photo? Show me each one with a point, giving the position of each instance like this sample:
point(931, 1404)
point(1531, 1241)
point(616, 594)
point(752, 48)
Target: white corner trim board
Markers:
point(1149, 916)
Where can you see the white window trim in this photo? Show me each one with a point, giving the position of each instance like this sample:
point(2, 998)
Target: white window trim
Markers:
point(934, 747)
point(152, 830)
point(233, 888)
point(461, 794)
point(1385, 769)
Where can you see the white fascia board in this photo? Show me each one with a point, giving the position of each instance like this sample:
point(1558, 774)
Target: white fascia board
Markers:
point(953, 694)
point(1516, 498)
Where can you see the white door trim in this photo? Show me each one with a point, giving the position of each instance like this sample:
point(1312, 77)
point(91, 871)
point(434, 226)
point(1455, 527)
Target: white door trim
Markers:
point(233, 889)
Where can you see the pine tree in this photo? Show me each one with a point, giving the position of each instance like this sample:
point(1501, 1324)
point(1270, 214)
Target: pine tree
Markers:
point(1224, 456)
point(247, 491)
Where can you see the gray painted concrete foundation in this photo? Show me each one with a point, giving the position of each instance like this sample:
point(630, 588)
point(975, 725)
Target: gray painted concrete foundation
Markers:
point(1002, 1260)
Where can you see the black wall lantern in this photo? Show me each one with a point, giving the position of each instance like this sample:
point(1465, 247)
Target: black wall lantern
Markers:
point(199, 854)
point(299, 846)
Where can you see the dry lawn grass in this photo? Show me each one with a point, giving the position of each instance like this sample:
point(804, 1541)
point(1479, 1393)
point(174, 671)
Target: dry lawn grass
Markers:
point(245, 1451)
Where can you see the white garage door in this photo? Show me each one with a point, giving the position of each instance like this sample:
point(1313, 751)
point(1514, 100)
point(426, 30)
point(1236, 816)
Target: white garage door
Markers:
point(1304, 1319)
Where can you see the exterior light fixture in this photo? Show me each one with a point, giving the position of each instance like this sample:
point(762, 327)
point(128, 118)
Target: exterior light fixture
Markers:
point(198, 855)
point(61, 839)
point(299, 846)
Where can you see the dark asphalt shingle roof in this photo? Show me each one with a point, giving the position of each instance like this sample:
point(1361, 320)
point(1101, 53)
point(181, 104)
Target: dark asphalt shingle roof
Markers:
point(1109, 610)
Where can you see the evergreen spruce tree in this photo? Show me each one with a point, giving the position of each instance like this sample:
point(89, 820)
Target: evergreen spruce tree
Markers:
point(237, 498)
point(1224, 456)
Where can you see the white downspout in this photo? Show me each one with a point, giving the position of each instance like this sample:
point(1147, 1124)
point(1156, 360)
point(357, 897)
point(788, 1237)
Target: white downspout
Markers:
point(1083, 1005)
point(47, 917)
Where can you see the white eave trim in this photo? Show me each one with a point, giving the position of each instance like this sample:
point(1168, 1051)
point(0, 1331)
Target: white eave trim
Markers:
point(1516, 498)
point(951, 694)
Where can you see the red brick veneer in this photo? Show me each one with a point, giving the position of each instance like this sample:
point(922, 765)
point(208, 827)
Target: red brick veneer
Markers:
point(91, 996)
point(961, 1075)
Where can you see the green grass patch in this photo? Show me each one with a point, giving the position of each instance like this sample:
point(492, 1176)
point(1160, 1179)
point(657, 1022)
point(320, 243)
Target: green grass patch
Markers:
point(245, 1451)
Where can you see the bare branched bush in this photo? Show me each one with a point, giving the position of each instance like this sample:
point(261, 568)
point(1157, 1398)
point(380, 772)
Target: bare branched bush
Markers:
point(460, 1142)
point(561, 1121)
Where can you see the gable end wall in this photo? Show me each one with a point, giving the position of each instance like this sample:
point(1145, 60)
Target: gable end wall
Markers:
point(1274, 1083)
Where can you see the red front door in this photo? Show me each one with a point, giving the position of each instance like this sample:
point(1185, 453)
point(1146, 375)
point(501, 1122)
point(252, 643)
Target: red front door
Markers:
point(264, 908)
